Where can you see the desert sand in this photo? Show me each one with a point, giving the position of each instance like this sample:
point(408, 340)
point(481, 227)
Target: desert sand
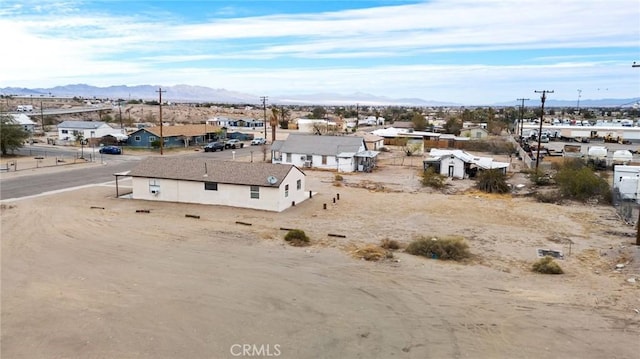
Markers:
point(85, 276)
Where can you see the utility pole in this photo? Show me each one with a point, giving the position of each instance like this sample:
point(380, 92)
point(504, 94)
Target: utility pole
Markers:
point(579, 93)
point(522, 116)
point(638, 222)
point(264, 108)
point(160, 91)
point(42, 119)
point(120, 111)
point(543, 98)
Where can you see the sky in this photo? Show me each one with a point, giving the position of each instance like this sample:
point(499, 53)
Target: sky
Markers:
point(463, 51)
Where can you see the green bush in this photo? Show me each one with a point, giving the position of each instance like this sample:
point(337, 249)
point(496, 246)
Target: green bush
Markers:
point(539, 177)
point(581, 183)
point(547, 265)
point(492, 181)
point(432, 179)
point(448, 248)
point(390, 244)
point(297, 237)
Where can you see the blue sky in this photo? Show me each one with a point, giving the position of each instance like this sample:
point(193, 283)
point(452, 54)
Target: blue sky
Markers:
point(465, 51)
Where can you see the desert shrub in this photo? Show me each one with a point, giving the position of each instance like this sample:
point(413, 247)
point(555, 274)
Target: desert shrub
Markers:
point(492, 181)
point(581, 183)
point(371, 252)
point(383, 149)
point(547, 265)
point(432, 179)
point(390, 244)
point(338, 177)
point(448, 248)
point(493, 146)
point(297, 237)
point(539, 177)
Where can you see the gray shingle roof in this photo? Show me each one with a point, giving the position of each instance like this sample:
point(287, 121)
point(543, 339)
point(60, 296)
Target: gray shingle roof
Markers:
point(193, 169)
point(320, 145)
point(81, 124)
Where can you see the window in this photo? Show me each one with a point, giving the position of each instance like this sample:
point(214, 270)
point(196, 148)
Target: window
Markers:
point(154, 186)
point(299, 185)
point(324, 159)
point(255, 192)
point(152, 138)
point(287, 157)
point(211, 186)
point(286, 190)
point(136, 138)
point(65, 131)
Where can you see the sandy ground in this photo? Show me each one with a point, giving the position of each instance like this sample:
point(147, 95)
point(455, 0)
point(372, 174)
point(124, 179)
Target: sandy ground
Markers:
point(85, 276)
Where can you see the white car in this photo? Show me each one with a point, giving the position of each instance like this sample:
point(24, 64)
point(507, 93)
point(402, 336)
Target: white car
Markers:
point(258, 141)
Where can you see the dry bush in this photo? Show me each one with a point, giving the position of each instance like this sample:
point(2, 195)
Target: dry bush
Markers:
point(547, 265)
point(390, 244)
point(297, 238)
point(448, 248)
point(371, 252)
point(338, 178)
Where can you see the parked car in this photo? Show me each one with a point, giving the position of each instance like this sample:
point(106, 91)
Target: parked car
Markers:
point(233, 144)
point(214, 146)
point(111, 150)
point(258, 141)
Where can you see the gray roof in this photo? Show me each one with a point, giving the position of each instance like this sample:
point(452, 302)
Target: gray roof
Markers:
point(87, 125)
point(319, 145)
point(194, 169)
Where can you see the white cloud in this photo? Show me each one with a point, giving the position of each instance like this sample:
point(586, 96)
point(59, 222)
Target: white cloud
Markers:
point(66, 44)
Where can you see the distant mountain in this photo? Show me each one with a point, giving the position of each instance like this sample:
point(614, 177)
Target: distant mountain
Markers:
point(187, 93)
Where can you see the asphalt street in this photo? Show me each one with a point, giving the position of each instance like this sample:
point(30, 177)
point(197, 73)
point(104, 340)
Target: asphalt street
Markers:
point(37, 183)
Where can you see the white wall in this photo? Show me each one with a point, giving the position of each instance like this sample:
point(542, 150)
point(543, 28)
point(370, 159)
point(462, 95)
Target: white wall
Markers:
point(97, 133)
point(332, 162)
point(458, 166)
point(271, 198)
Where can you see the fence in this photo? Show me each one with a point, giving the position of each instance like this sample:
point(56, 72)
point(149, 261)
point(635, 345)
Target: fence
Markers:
point(626, 208)
point(403, 160)
point(42, 161)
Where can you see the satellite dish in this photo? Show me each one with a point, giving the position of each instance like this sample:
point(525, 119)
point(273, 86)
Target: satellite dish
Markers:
point(272, 179)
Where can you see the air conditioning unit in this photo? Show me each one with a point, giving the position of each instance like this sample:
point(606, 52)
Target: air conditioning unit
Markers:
point(307, 164)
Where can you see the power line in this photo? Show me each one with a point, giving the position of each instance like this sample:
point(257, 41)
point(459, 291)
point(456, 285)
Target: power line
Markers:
point(543, 98)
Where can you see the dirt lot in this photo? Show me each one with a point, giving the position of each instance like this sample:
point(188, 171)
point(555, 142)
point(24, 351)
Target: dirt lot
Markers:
point(85, 276)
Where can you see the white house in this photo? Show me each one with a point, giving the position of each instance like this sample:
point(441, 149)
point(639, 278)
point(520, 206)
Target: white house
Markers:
point(88, 129)
point(255, 185)
point(460, 164)
point(340, 153)
point(24, 121)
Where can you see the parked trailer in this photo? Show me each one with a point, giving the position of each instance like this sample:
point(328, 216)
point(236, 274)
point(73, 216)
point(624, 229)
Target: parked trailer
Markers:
point(626, 180)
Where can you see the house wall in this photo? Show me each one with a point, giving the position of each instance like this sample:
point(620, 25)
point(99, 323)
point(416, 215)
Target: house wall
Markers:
point(375, 145)
point(86, 133)
point(474, 133)
point(332, 162)
point(271, 198)
point(458, 166)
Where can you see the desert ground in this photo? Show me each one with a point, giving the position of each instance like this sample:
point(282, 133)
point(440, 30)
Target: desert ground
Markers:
point(86, 276)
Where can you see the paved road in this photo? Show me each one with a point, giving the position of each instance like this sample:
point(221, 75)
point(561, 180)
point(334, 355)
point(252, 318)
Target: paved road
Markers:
point(33, 184)
point(45, 182)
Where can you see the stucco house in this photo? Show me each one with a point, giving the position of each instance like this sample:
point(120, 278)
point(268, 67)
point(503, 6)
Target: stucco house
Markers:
point(175, 136)
point(88, 129)
point(340, 153)
point(474, 133)
point(24, 121)
point(255, 185)
point(460, 164)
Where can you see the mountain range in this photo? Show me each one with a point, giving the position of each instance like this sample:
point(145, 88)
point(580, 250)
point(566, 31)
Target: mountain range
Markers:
point(188, 93)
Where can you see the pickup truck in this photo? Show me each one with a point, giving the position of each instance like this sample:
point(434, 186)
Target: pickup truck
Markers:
point(233, 144)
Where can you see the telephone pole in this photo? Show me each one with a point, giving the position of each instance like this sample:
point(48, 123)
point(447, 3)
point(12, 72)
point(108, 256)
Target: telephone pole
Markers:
point(543, 98)
point(522, 116)
point(160, 91)
point(638, 222)
point(264, 108)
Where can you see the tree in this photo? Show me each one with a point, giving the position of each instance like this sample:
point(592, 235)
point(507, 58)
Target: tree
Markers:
point(12, 136)
point(318, 112)
point(453, 126)
point(419, 122)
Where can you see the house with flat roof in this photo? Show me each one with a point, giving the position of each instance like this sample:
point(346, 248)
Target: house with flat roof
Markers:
point(254, 185)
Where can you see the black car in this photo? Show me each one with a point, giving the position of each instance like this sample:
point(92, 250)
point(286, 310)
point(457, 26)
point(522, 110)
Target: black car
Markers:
point(214, 146)
point(111, 150)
